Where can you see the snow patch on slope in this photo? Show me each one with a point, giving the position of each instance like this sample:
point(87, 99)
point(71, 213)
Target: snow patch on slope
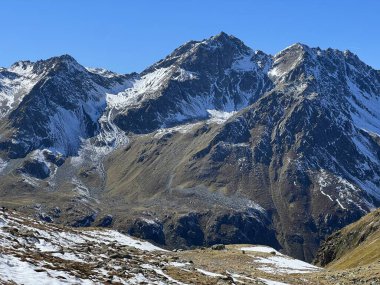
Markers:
point(14, 86)
point(265, 249)
point(244, 63)
point(365, 111)
point(185, 75)
point(215, 116)
point(283, 264)
point(12, 269)
point(101, 71)
point(208, 273)
point(109, 236)
point(3, 165)
point(271, 282)
point(141, 89)
point(341, 191)
point(183, 129)
point(220, 117)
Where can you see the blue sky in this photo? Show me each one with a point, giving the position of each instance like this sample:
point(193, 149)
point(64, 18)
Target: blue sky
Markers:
point(126, 36)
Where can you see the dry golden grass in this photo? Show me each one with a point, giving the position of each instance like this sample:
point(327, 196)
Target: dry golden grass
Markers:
point(359, 243)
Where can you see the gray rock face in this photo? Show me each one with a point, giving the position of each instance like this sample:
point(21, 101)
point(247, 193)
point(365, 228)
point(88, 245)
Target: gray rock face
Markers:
point(36, 169)
point(316, 137)
point(62, 106)
point(220, 73)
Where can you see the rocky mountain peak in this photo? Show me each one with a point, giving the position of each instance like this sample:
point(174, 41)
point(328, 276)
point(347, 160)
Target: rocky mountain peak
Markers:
point(221, 49)
point(219, 73)
point(297, 46)
point(60, 105)
point(292, 62)
point(64, 63)
point(223, 39)
point(222, 36)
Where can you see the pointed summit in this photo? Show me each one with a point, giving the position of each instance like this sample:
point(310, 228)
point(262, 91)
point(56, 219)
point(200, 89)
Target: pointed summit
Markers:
point(65, 58)
point(222, 35)
point(296, 48)
point(222, 45)
point(63, 62)
point(223, 39)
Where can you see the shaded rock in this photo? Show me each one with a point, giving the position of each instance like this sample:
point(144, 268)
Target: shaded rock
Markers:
point(218, 247)
point(85, 221)
point(147, 229)
point(106, 221)
point(35, 168)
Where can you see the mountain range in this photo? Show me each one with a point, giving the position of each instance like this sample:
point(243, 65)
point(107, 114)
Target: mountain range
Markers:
point(216, 143)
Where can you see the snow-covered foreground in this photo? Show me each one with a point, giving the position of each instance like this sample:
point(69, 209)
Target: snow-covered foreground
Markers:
point(33, 252)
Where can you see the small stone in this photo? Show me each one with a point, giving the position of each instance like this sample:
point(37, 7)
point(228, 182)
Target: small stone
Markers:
point(218, 247)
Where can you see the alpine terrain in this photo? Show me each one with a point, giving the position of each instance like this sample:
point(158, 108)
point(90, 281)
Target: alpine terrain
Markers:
point(215, 144)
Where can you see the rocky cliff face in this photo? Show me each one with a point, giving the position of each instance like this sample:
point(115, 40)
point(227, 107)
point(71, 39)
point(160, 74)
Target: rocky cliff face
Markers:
point(220, 73)
point(60, 105)
point(234, 144)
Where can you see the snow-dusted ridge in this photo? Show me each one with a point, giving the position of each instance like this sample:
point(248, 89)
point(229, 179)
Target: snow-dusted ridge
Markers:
point(15, 83)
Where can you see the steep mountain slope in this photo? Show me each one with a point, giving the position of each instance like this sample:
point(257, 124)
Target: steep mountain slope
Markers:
point(220, 73)
point(57, 102)
point(216, 143)
point(355, 245)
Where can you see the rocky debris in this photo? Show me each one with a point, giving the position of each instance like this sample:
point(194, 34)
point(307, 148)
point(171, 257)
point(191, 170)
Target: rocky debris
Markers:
point(85, 221)
point(44, 217)
point(55, 158)
point(218, 247)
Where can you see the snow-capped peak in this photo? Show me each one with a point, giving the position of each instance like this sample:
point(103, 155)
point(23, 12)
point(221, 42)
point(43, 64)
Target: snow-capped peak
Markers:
point(66, 61)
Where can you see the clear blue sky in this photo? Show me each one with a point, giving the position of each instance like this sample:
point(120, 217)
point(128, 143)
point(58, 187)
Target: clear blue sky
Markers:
point(127, 36)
